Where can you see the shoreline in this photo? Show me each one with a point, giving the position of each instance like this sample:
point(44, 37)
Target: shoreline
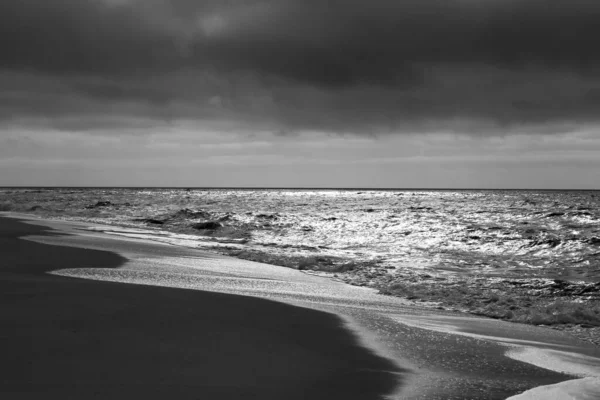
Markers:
point(492, 294)
point(91, 339)
point(434, 359)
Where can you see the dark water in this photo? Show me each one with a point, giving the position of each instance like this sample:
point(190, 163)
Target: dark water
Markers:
point(505, 233)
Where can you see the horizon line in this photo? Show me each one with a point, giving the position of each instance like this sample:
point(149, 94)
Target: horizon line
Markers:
point(293, 188)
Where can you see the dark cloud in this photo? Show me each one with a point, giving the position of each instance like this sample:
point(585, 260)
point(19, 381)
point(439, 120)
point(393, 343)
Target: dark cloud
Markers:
point(80, 37)
point(324, 42)
point(312, 64)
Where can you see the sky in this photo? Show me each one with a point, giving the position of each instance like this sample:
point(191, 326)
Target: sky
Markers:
point(300, 93)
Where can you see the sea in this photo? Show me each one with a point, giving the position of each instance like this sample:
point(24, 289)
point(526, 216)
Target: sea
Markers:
point(500, 233)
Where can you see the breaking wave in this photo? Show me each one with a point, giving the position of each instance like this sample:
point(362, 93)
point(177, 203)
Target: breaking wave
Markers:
point(500, 233)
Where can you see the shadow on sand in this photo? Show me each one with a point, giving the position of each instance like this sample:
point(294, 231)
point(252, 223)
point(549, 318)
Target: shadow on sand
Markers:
point(81, 339)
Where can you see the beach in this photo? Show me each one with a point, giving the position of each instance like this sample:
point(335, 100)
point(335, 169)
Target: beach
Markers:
point(88, 339)
point(91, 315)
point(267, 199)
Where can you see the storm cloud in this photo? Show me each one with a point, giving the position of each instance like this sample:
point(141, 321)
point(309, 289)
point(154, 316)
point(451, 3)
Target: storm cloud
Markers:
point(282, 65)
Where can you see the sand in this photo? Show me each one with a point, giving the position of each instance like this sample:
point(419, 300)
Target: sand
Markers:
point(88, 314)
point(71, 338)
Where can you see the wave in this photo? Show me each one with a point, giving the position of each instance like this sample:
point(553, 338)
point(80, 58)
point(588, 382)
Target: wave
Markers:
point(476, 231)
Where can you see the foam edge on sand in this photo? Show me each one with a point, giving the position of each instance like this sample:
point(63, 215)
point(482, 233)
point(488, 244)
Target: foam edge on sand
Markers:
point(585, 388)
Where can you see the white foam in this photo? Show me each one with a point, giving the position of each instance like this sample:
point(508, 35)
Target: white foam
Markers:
point(556, 360)
point(576, 389)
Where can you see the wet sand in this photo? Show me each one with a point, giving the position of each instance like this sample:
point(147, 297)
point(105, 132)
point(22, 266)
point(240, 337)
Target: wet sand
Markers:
point(82, 339)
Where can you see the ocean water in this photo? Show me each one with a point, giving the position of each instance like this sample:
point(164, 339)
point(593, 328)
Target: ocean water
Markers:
point(508, 233)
